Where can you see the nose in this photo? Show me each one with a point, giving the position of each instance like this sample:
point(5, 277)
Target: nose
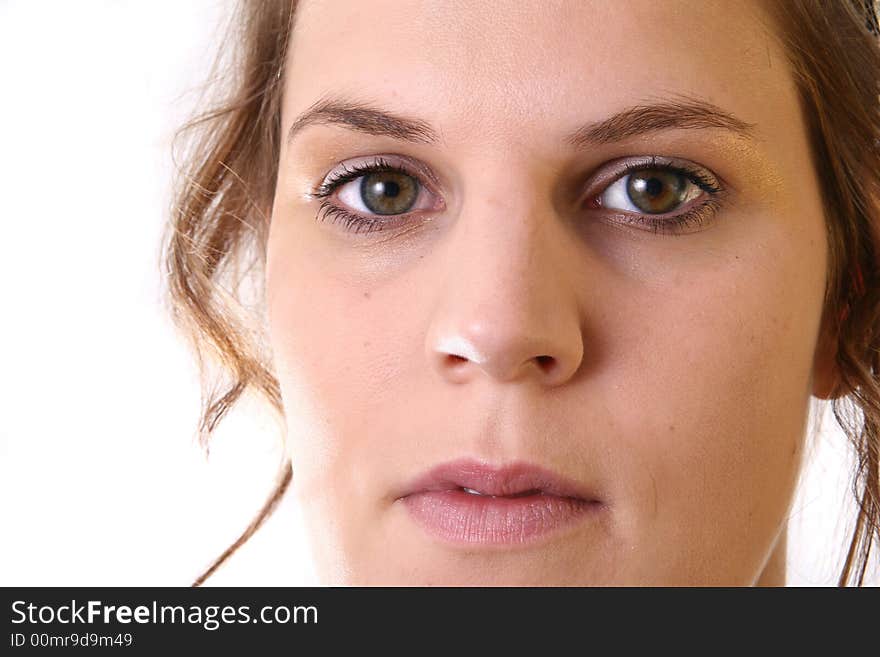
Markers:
point(508, 308)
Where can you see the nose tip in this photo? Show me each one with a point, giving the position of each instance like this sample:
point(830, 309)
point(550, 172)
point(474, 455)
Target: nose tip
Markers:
point(465, 354)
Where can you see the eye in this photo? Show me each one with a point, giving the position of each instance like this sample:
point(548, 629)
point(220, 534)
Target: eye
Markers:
point(374, 195)
point(647, 192)
point(381, 192)
point(654, 191)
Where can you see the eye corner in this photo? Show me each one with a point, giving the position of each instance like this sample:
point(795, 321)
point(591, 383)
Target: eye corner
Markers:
point(592, 202)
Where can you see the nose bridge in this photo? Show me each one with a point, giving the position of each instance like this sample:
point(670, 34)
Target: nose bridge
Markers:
point(507, 309)
point(508, 251)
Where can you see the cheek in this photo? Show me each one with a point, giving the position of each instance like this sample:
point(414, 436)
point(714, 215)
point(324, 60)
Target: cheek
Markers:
point(335, 346)
point(722, 383)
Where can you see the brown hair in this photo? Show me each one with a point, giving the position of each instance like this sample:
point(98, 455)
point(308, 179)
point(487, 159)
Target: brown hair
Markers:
point(217, 232)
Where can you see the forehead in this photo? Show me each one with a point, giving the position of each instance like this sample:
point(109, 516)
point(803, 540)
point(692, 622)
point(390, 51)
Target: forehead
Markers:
point(508, 68)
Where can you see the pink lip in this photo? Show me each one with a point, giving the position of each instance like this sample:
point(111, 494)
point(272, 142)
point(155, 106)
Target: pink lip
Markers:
point(519, 502)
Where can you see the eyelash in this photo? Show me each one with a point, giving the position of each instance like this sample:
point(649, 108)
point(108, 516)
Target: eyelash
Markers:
point(675, 225)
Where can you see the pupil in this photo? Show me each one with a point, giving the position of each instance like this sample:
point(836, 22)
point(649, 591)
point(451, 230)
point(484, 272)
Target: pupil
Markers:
point(653, 187)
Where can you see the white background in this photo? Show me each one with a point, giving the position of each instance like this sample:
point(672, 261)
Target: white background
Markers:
point(101, 481)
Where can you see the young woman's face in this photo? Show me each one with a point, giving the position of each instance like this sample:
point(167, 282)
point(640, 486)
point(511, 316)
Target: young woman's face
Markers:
point(504, 357)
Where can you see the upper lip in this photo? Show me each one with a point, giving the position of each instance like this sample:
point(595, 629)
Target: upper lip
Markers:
point(507, 480)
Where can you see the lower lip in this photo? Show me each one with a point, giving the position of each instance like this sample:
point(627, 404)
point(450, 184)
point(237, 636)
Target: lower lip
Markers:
point(460, 517)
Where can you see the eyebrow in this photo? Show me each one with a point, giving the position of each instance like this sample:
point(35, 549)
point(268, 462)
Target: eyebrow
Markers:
point(679, 113)
point(364, 118)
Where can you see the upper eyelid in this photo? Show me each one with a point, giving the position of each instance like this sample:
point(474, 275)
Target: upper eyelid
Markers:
point(412, 165)
point(624, 166)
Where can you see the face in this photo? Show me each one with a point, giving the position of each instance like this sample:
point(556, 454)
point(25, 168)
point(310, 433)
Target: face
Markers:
point(529, 328)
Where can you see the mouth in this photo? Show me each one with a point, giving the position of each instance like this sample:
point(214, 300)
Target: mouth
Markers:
point(468, 502)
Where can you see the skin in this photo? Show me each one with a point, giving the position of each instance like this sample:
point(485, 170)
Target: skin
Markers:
point(681, 366)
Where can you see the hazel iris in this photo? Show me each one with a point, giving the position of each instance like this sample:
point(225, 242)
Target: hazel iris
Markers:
point(656, 190)
point(389, 192)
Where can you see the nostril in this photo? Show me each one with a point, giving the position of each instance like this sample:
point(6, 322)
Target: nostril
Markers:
point(455, 363)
